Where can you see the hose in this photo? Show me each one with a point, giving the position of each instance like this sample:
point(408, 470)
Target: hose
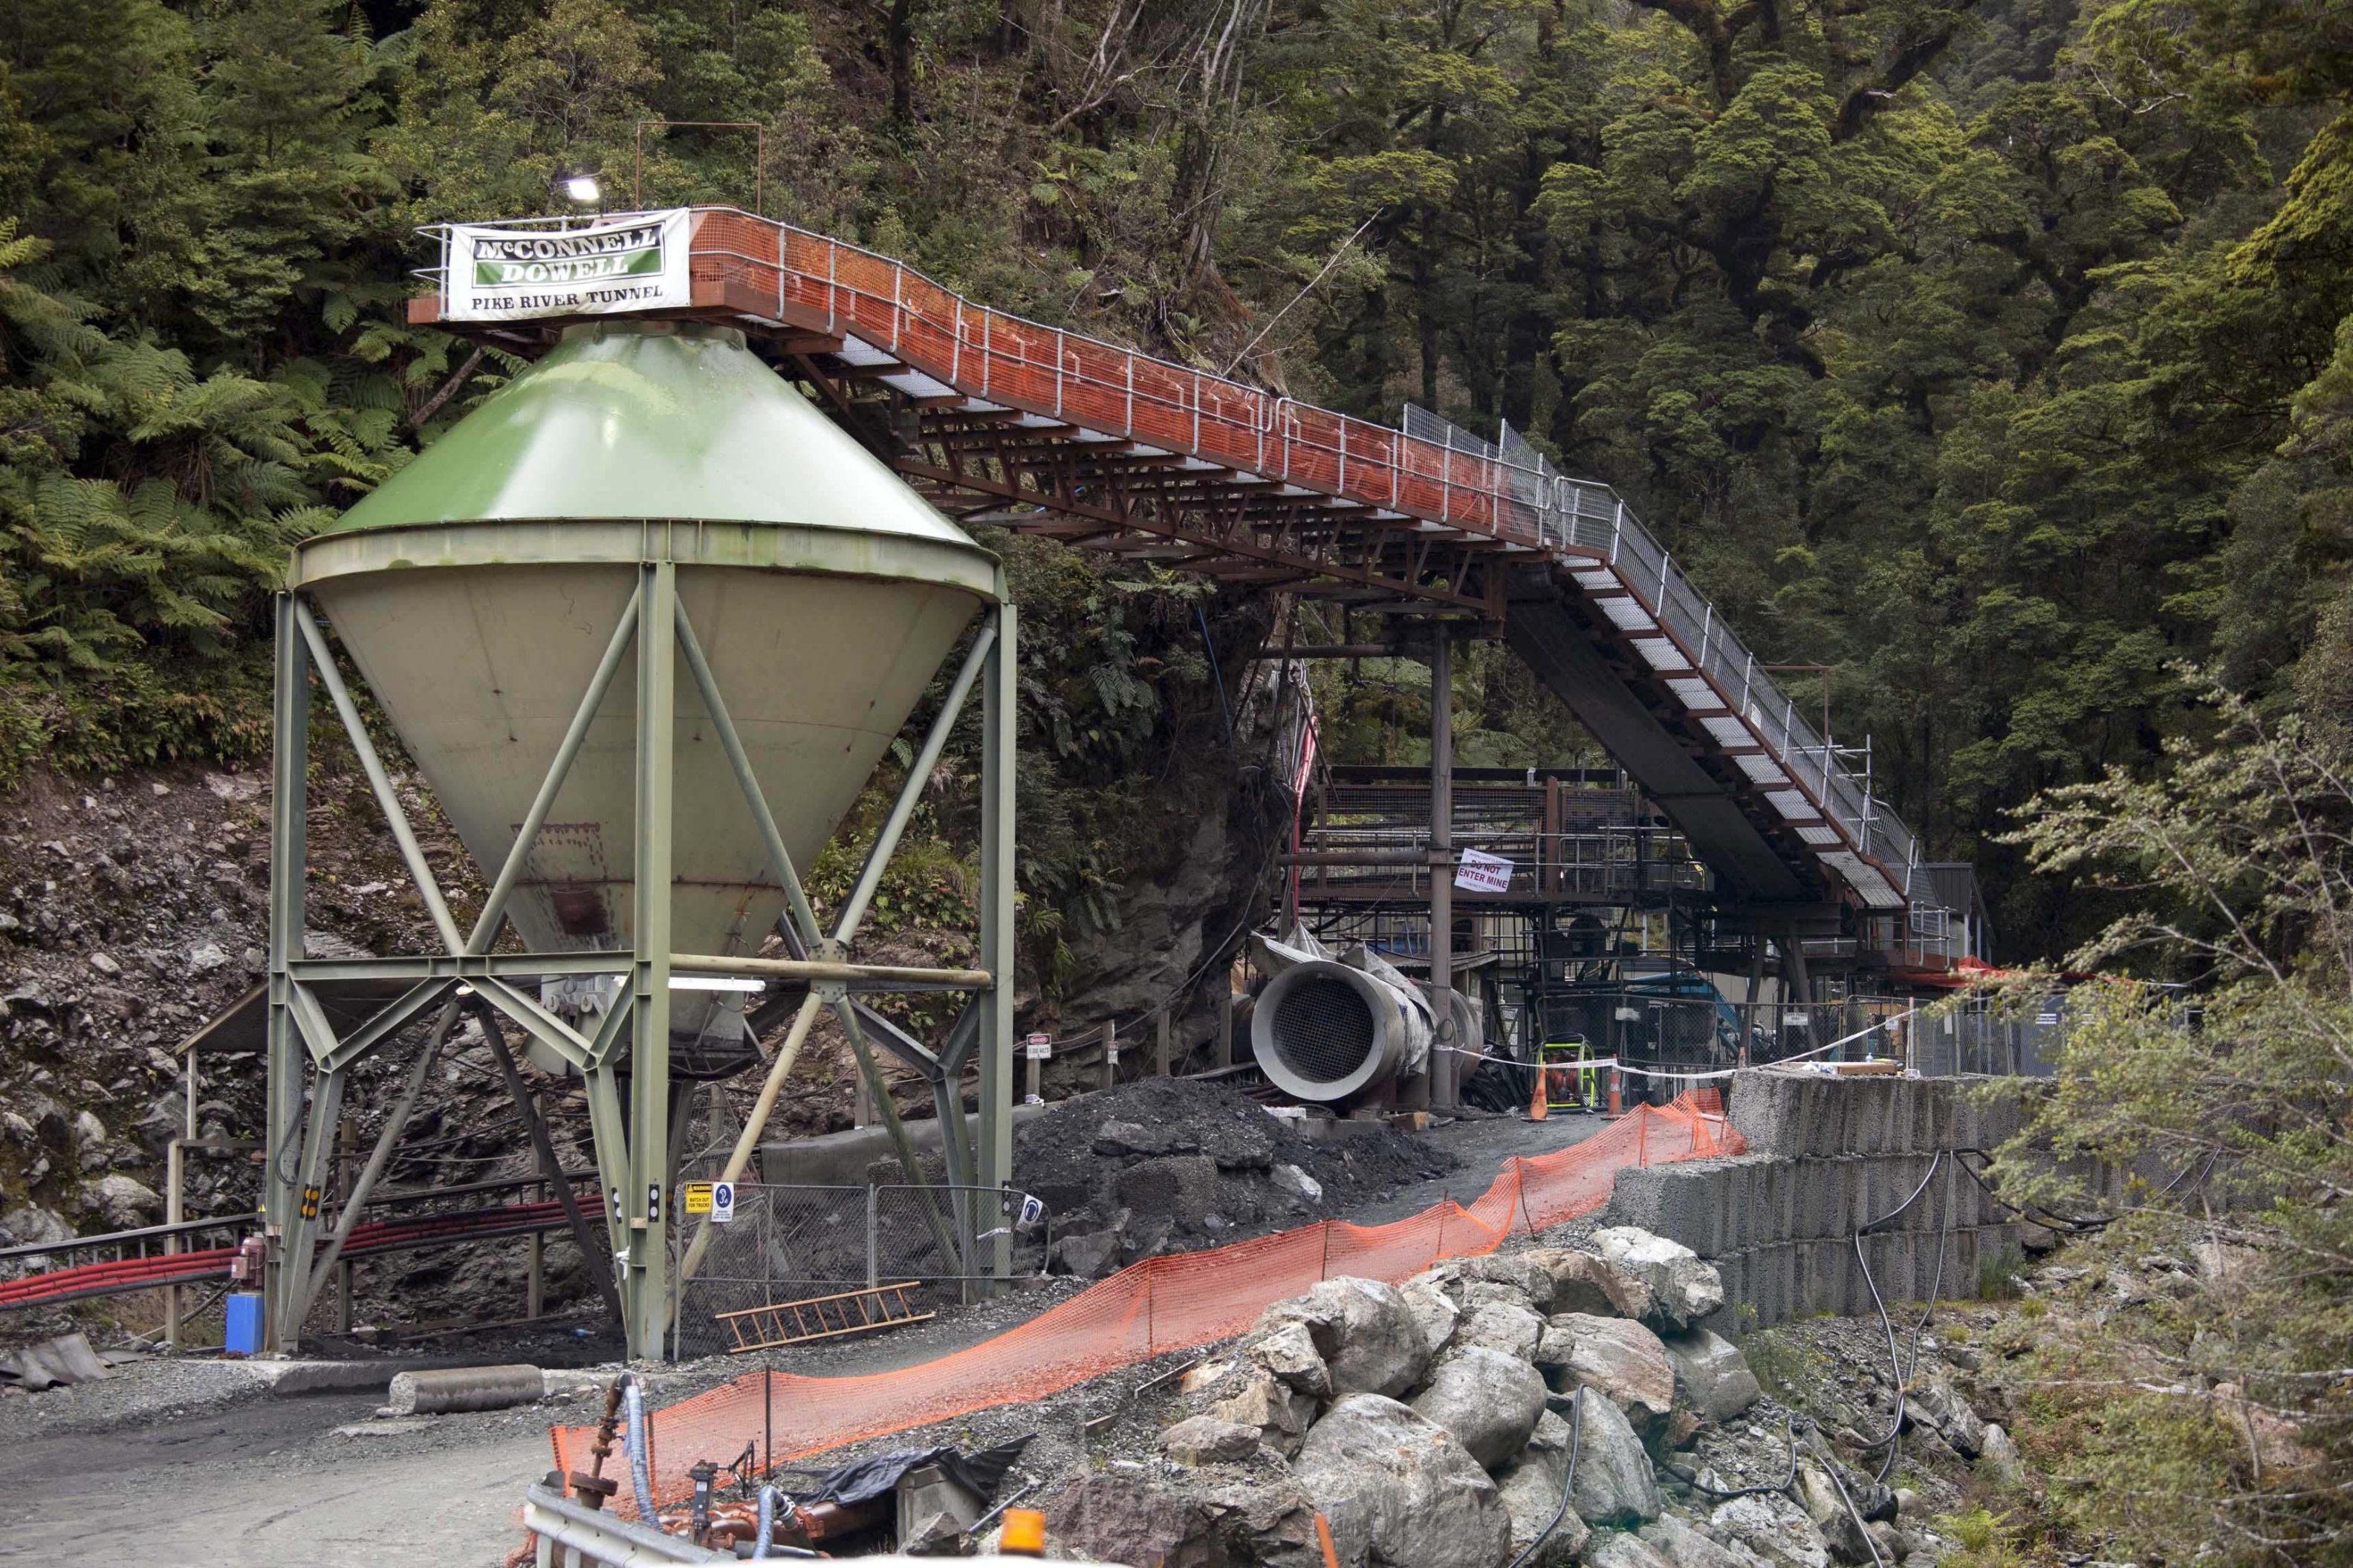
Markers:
point(761, 1542)
point(641, 1481)
point(1568, 1487)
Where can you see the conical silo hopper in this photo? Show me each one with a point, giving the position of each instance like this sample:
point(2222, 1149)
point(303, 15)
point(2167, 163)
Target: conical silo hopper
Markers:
point(478, 588)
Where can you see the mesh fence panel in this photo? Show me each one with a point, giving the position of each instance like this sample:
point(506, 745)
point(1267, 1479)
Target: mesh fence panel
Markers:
point(1159, 1305)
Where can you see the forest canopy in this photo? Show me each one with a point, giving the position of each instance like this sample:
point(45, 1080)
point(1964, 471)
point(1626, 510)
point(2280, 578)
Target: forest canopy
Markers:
point(1995, 353)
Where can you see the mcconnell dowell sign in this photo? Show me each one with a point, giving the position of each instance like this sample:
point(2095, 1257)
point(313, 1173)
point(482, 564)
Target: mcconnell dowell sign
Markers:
point(637, 263)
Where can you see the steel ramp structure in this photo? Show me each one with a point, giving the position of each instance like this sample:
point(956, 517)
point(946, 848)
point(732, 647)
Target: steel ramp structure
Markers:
point(998, 420)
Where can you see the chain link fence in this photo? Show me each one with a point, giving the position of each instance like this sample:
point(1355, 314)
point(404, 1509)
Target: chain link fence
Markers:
point(792, 1244)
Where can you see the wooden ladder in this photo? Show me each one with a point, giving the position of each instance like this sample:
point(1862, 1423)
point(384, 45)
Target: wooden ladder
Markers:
point(820, 1317)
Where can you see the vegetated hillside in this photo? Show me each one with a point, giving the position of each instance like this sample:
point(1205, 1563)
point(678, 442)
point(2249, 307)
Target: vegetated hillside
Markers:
point(1986, 350)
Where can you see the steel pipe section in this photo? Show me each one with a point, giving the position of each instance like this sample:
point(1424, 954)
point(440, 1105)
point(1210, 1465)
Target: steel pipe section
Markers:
point(1327, 1033)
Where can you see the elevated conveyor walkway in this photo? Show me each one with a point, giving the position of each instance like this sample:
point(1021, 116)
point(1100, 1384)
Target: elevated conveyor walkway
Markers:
point(1000, 419)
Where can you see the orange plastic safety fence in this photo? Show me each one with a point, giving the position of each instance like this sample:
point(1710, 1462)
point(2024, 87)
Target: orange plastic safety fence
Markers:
point(1159, 1305)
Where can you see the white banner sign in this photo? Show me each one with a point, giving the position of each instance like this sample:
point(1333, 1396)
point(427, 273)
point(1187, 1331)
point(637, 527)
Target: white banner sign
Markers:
point(1481, 872)
point(511, 274)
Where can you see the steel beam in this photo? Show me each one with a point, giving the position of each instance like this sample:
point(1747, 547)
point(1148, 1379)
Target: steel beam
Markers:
point(910, 791)
point(288, 807)
point(1443, 1045)
point(486, 925)
point(463, 966)
point(1000, 689)
point(411, 853)
point(645, 1287)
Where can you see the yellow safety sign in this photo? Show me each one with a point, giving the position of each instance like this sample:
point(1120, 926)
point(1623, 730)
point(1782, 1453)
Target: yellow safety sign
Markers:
point(698, 1197)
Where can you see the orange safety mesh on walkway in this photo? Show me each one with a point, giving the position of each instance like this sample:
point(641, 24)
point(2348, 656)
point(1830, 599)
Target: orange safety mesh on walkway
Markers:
point(1159, 1305)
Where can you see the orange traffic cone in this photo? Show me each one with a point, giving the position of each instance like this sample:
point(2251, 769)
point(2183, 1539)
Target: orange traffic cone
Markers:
point(1540, 1102)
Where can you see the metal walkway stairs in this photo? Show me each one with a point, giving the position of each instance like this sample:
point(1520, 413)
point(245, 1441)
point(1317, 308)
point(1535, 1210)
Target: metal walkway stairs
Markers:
point(1000, 419)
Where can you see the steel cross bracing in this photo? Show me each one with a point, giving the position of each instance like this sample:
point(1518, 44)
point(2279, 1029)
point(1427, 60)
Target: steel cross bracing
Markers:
point(1001, 420)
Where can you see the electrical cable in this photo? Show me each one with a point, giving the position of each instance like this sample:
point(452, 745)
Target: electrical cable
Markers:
point(1568, 1487)
point(1895, 1361)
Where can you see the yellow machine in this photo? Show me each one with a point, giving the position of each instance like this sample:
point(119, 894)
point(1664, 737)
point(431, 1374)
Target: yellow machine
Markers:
point(1566, 1078)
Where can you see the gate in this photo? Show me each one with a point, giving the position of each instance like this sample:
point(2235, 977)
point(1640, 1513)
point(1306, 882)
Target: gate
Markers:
point(794, 1244)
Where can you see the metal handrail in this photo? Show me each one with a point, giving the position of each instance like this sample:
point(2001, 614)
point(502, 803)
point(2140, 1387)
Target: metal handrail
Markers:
point(1456, 478)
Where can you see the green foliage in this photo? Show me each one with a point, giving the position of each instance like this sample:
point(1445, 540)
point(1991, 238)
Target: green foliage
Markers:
point(1994, 352)
point(2218, 1413)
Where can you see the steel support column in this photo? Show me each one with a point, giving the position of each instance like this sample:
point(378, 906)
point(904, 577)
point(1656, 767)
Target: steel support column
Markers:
point(1443, 1044)
point(289, 805)
point(644, 1282)
point(993, 1156)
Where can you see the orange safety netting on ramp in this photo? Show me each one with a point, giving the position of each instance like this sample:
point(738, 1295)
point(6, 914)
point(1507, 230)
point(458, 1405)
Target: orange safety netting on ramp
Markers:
point(1162, 1304)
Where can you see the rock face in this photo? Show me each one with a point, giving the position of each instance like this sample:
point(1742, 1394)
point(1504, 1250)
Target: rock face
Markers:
point(1533, 1491)
point(1398, 1488)
point(1623, 1362)
point(1714, 1375)
point(124, 1203)
point(1683, 1289)
point(1367, 1334)
point(1488, 1400)
point(1614, 1484)
point(1935, 1403)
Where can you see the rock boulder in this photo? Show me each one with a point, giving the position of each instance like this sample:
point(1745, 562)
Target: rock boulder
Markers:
point(1489, 1400)
point(1364, 1330)
point(1398, 1488)
point(1584, 1283)
point(1774, 1528)
point(1714, 1376)
point(1684, 1288)
point(1619, 1358)
point(1532, 1490)
point(1206, 1440)
point(1615, 1549)
point(1615, 1484)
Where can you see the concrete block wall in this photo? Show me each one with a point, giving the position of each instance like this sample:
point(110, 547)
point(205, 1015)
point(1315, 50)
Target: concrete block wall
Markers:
point(1827, 1155)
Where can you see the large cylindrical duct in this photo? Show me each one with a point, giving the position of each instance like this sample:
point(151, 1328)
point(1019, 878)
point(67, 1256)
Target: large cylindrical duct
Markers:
point(1324, 1032)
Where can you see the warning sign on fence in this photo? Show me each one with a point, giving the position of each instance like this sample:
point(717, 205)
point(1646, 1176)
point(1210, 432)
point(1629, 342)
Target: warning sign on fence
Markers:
point(722, 1202)
point(698, 1197)
point(1480, 872)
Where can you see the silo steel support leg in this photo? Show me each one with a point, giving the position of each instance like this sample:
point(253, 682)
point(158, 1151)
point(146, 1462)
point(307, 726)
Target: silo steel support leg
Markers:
point(645, 1288)
point(288, 803)
point(999, 693)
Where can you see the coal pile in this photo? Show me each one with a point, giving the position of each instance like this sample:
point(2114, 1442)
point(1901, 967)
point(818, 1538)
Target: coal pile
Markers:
point(1176, 1164)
